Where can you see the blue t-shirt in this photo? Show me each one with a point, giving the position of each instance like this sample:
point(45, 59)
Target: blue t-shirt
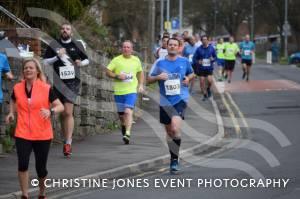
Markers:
point(176, 70)
point(247, 48)
point(189, 52)
point(205, 54)
point(4, 68)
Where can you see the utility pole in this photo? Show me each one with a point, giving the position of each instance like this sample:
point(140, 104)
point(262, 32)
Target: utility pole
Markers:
point(180, 15)
point(215, 18)
point(162, 3)
point(168, 10)
point(252, 19)
point(153, 22)
point(286, 29)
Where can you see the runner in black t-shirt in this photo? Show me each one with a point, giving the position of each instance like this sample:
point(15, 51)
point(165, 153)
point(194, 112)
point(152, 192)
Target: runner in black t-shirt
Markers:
point(67, 56)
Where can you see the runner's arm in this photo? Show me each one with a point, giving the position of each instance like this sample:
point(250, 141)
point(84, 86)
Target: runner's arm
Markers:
point(214, 55)
point(50, 55)
point(9, 75)
point(195, 58)
point(82, 53)
point(111, 74)
point(84, 62)
point(50, 61)
point(190, 73)
point(140, 77)
point(12, 109)
point(152, 77)
point(190, 76)
point(57, 106)
point(156, 55)
point(6, 69)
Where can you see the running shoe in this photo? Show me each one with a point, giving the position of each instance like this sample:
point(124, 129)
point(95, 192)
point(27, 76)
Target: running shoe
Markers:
point(204, 97)
point(126, 139)
point(123, 130)
point(208, 92)
point(225, 76)
point(67, 150)
point(229, 81)
point(174, 166)
point(247, 79)
point(244, 75)
point(193, 92)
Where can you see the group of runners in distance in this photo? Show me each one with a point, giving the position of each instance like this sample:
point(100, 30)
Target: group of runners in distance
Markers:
point(180, 59)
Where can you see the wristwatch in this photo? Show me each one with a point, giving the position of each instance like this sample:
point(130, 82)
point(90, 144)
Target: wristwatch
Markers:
point(52, 111)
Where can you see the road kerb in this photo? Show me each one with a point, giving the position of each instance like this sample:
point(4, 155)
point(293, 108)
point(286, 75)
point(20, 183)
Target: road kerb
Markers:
point(131, 169)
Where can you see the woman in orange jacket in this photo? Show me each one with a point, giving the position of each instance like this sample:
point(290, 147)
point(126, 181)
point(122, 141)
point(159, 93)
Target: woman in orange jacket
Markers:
point(35, 102)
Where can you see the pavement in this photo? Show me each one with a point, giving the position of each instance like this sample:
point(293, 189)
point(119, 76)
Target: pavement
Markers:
point(105, 155)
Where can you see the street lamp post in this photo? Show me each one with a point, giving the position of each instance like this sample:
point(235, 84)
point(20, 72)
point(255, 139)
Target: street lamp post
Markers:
point(168, 10)
point(215, 18)
point(286, 29)
point(162, 16)
point(180, 15)
point(252, 19)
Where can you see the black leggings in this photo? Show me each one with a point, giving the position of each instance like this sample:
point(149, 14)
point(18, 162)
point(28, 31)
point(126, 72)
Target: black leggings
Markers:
point(40, 148)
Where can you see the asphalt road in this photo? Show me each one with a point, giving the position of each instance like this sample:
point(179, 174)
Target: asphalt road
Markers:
point(266, 150)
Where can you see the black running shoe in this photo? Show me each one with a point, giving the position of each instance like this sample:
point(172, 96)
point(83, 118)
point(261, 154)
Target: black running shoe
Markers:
point(208, 92)
point(126, 139)
point(123, 130)
point(244, 75)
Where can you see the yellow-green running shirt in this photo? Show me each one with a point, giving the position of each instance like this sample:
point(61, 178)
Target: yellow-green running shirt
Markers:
point(231, 50)
point(129, 66)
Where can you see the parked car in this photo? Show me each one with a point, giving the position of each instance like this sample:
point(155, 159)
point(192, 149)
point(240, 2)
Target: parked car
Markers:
point(294, 58)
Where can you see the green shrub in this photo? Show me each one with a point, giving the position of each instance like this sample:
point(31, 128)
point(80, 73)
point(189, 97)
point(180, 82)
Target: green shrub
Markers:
point(7, 141)
point(96, 29)
point(283, 61)
point(112, 125)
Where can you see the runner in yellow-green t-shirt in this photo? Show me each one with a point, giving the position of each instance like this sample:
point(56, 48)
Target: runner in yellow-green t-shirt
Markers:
point(220, 58)
point(126, 69)
point(231, 50)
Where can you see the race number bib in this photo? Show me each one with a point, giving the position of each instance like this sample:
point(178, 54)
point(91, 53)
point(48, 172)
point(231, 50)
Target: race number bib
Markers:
point(206, 62)
point(129, 77)
point(172, 87)
point(247, 52)
point(191, 58)
point(230, 51)
point(67, 72)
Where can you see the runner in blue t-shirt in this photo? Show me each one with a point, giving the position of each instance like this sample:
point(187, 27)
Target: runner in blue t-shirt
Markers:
point(4, 69)
point(247, 52)
point(203, 64)
point(173, 75)
point(188, 52)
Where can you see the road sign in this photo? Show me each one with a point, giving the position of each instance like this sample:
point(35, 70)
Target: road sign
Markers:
point(286, 29)
point(167, 25)
point(175, 24)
